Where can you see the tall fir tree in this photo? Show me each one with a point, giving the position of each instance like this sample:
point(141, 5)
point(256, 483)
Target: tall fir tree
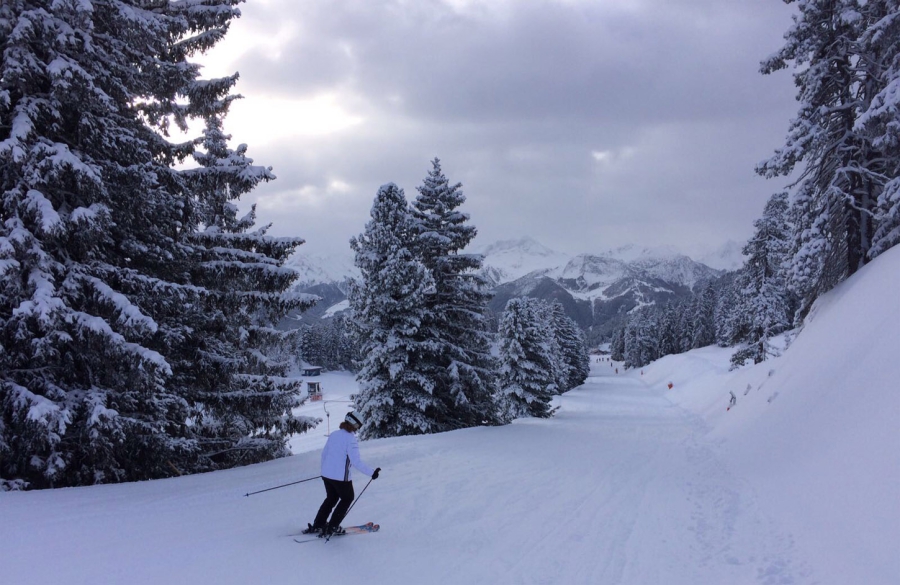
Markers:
point(668, 330)
point(617, 344)
point(631, 353)
point(99, 248)
point(233, 362)
point(765, 296)
point(844, 53)
point(732, 319)
point(526, 376)
point(396, 395)
point(880, 120)
point(703, 327)
point(455, 329)
point(575, 362)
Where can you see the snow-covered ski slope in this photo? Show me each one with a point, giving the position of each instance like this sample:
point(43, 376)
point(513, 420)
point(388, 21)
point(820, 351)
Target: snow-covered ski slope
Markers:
point(630, 483)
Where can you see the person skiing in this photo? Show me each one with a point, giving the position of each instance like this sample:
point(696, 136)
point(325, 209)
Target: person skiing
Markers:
point(340, 453)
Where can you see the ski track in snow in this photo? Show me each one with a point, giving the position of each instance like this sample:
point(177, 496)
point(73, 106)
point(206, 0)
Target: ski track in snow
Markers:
point(619, 488)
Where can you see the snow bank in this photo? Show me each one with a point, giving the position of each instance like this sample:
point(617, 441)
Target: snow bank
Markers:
point(817, 431)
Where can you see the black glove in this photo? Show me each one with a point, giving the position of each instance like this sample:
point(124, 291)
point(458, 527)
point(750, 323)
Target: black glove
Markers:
point(375, 475)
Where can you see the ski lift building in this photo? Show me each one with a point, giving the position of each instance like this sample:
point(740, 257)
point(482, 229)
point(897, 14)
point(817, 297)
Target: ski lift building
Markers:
point(311, 371)
point(314, 391)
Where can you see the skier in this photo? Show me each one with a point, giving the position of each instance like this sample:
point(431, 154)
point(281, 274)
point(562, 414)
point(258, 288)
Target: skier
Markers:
point(340, 452)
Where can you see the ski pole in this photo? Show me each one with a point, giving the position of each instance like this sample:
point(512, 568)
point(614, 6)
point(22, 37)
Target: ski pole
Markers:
point(353, 504)
point(281, 486)
point(357, 499)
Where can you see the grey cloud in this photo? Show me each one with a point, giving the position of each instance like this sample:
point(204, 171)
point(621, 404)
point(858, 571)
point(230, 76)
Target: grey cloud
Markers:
point(546, 60)
point(515, 104)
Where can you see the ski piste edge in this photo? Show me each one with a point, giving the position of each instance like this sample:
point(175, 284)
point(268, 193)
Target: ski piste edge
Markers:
point(366, 528)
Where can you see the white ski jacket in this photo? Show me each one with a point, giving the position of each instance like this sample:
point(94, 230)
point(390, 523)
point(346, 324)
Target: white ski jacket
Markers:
point(340, 452)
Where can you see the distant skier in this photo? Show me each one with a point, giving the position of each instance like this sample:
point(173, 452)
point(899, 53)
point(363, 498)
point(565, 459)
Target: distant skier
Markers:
point(340, 452)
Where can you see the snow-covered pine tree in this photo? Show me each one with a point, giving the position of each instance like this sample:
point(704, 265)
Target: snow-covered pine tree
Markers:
point(96, 250)
point(243, 408)
point(328, 343)
point(575, 362)
point(641, 337)
point(842, 73)
point(650, 335)
point(703, 328)
point(631, 354)
point(543, 314)
point(762, 286)
point(456, 340)
point(617, 344)
point(526, 378)
point(668, 330)
point(732, 319)
point(389, 308)
point(342, 351)
point(79, 377)
point(686, 325)
point(880, 120)
point(312, 344)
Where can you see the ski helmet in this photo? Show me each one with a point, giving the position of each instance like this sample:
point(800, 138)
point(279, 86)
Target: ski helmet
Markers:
point(353, 419)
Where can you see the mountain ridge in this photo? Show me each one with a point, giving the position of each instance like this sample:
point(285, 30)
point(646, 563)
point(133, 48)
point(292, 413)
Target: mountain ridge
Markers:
point(596, 289)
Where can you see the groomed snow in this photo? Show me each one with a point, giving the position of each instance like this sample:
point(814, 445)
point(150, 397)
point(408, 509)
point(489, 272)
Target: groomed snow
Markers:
point(630, 483)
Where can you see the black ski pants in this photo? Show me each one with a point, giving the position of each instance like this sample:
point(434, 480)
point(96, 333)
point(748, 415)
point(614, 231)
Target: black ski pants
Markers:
point(336, 492)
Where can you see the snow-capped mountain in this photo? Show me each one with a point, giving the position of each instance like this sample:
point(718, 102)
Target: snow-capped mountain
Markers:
point(325, 277)
point(595, 289)
point(589, 274)
point(631, 253)
point(508, 260)
point(727, 257)
point(317, 269)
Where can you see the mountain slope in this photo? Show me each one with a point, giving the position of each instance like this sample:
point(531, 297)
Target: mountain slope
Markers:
point(595, 289)
point(509, 260)
point(316, 269)
point(598, 290)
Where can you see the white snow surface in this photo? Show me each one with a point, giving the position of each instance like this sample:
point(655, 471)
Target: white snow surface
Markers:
point(337, 308)
point(630, 483)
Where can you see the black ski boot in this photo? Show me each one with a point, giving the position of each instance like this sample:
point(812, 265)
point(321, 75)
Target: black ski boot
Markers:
point(330, 531)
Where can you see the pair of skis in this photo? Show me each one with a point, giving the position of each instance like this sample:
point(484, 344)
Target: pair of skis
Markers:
point(366, 528)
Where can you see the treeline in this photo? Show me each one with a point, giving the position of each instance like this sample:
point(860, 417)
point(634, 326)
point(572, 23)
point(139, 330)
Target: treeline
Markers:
point(329, 343)
point(745, 308)
point(842, 211)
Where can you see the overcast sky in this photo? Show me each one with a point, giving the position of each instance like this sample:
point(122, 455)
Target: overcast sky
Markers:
point(585, 124)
